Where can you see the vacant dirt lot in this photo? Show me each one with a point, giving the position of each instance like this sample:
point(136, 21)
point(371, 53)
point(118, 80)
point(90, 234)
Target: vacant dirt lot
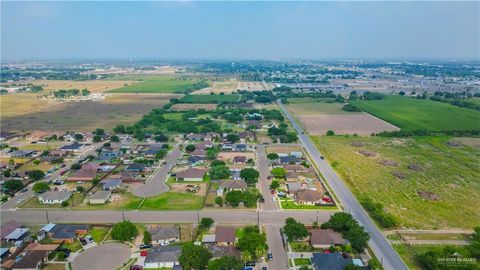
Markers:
point(219, 87)
point(361, 124)
point(316, 108)
point(80, 116)
point(230, 155)
point(96, 86)
point(181, 188)
point(255, 86)
point(196, 106)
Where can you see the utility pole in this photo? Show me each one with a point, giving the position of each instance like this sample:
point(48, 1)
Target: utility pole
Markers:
point(123, 215)
point(46, 214)
point(258, 219)
point(317, 217)
point(198, 217)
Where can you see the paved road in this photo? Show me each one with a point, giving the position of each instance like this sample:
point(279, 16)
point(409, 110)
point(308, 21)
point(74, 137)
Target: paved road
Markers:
point(275, 245)
point(220, 216)
point(12, 202)
point(263, 182)
point(106, 256)
point(378, 243)
point(156, 184)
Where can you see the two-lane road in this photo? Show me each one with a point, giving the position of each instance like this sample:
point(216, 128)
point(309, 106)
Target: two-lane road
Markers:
point(378, 243)
point(263, 182)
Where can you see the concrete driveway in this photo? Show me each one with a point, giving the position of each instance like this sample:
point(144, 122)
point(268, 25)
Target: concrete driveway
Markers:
point(106, 256)
point(156, 184)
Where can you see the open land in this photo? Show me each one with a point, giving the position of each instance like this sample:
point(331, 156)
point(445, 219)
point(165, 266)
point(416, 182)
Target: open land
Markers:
point(81, 116)
point(219, 87)
point(94, 86)
point(255, 86)
point(438, 182)
point(193, 106)
point(210, 98)
point(413, 114)
point(156, 84)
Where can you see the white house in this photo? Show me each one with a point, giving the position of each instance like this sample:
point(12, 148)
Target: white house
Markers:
point(52, 197)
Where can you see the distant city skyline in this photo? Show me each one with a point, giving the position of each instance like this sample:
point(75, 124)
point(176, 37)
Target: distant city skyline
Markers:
point(240, 30)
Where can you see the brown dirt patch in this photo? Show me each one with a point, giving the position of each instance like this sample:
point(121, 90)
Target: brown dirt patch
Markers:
point(362, 124)
point(358, 144)
point(367, 153)
point(225, 156)
point(415, 167)
point(386, 162)
point(399, 175)
point(181, 188)
point(95, 86)
point(428, 195)
point(186, 107)
point(454, 144)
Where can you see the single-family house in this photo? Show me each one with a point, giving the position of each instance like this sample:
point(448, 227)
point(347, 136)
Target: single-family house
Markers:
point(8, 228)
point(67, 232)
point(74, 147)
point(17, 235)
point(295, 168)
point(37, 135)
point(32, 260)
point(227, 147)
point(4, 253)
point(199, 152)
point(135, 167)
point(111, 183)
point(320, 238)
point(240, 147)
point(224, 251)
point(297, 154)
point(308, 197)
point(52, 197)
point(289, 160)
point(204, 145)
point(164, 234)
point(330, 261)
point(208, 239)
point(191, 174)
point(163, 257)
point(235, 174)
point(195, 160)
point(150, 153)
point(100, 197)
point(211, 136)
point(246, 136)
point(82, 175)
point(58, 153)
point(239, 159)
point(195, 137)
point(225, 235)
point(230, 185)
point(293, 187)
point(22, 153)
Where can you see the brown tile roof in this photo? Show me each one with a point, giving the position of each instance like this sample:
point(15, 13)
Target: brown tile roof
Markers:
point(192, 173)
point(31, 260)
point(326, 237)
point(9, 227)
point(308, 195)
point(83, 173)
point(225, 234)
point(37, 246)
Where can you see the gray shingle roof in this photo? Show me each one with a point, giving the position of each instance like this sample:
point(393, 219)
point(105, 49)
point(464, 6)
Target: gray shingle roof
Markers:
point(164, 254)
point(164, 232)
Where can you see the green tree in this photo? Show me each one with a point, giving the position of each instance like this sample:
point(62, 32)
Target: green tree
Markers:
point(80, 189)
point(161, 154)
point(7, 173)
point(330, 133)
point(232, 137)
point(206, 223)
point(274, 185)
point(250, 175)
point(64, 204)
point(273, 156)
point(252, 242)
point(119, 129)
point(124, 231)
point(190, 148)
point(294, 230)
point(36, 175)
point(36, 162)
point(40, 187)
point(212, 153)
point(97, 138)
point(279, 172)
point(13, 185)
point(219, 172)
point(250, 199)
point(217, 162)
point(225, 263)
point(114, 138)
point(75, 166)
point(78, 137)
point(219, 200)
point(345, 224)
point(147, 237)
point(99, 131)
point(194, 257)
point(234, 197)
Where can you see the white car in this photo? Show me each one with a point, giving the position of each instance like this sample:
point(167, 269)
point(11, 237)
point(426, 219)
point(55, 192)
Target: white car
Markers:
point(274, 199)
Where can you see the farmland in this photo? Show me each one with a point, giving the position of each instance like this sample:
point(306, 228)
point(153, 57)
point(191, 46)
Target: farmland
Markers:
point(210, 99)
point(79, 116)
point(193, 106)
point(314, 108)
point(219, 87)
point(424, 182)
point(94, 86)
point(159, 84)
point(416, 114)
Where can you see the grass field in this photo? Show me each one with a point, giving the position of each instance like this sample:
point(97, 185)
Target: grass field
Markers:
point(414, 165)
point(314, 108)
point(409, 258)
point(94, 86)
point(169, 201)
point(80, 116)
point(156, 84)
point(98, 233)
point(210, 98)
point(413, 114)
point(219, 87)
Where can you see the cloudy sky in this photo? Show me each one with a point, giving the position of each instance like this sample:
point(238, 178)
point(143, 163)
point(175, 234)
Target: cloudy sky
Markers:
point(251, 30)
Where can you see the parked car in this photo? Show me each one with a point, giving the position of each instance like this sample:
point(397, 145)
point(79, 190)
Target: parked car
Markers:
point(322, 157)
point(269, 256)
point(274, 199)
point(83, 241)
point(143, 253)
point(250, 263)
point(24, 190)
point(146, 246)
point(136, 267)
point(89, 238)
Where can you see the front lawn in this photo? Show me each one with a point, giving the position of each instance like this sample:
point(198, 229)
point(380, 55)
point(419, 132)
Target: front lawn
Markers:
point(34, 202)
point(98, 233)
point(171, 201)
point(301, 261)
point(75, 246)
point(290, 204)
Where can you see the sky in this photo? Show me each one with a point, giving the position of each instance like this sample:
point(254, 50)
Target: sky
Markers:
point(240, 30)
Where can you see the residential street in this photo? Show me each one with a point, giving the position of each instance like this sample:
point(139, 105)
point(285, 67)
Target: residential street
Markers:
point(156, 184)
point(378, 243)
point(12, 202)
point(275, 245)
point(263, 182)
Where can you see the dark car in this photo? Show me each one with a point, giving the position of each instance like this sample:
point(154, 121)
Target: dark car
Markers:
point(83, 241)
point(322, 157)
point(136, 267)
point(269, 256)
point(24, 190)
point(145, 246)
point(251, 264)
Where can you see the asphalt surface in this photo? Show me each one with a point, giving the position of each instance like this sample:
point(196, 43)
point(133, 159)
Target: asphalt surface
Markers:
point(263, 182)
point(275, 245)
point(106, 256)
point(378, 243)
point(156, 184)
point(221, 216)
point(12, 202)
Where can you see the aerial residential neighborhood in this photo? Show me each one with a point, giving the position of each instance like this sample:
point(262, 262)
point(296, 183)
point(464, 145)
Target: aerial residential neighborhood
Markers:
point(230, 135)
